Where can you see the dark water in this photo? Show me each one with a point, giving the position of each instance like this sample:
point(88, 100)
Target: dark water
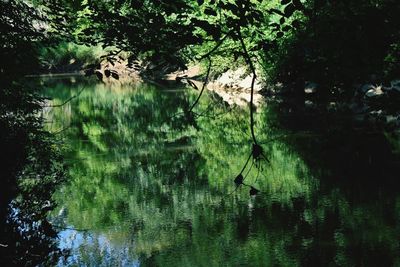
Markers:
point(150, 185)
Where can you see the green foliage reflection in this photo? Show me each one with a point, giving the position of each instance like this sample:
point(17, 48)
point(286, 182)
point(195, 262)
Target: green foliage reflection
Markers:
point(158, 183)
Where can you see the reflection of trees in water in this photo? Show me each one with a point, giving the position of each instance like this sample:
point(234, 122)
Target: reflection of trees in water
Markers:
point(138, 180)
point(162, 188)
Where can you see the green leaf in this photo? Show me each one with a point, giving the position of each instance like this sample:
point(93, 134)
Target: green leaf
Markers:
point(276, 26)
point(276, 11)
point(229, 6)
point(289, 10)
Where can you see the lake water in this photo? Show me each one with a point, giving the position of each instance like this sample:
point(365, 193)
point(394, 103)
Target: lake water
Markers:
point(149, 184)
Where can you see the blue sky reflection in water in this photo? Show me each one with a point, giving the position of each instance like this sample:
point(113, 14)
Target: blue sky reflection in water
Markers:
point(151, 185)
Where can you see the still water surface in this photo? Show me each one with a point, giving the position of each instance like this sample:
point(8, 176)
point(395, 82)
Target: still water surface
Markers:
point(150, 185)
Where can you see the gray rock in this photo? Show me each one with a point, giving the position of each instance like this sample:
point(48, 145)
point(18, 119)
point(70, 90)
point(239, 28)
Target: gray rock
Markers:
point(391, 119)
point(310, 88)
point(238, 79)
point(376, 112)
point(308, 103)
point(375, 91)
point(231, 77)
point(246, 83)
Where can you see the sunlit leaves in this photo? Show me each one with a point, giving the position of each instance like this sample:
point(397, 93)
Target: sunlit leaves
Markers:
point(276, 11)
point(211, 29)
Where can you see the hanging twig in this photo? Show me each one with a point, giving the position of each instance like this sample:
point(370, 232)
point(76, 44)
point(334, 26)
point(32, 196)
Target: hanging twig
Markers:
point(253, 70)
point(221, 41)
point(258, 173)
point(204, 84)
point(244, 167)
point(248, 171)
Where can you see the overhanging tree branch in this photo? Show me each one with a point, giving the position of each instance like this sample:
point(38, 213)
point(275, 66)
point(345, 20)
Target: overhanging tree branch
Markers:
point(204, 85)
point(253, 70)
point(220, 42)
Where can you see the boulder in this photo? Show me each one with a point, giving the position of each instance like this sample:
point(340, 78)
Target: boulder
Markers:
point(226, 79)
point(310, 88)
point(231, 78)
point(246, 83)
point(374, 92)
point(391, 119)
point(376, 112)
point(238, 79)
point(308, 103)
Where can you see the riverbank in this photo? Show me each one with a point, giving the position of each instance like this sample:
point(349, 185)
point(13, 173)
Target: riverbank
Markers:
point(368, 104)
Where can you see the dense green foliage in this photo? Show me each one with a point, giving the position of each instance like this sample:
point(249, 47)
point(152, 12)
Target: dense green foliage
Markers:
point(17, 37)
point(30, 168)
point(137, 161)
point(290, 41)
point(346, 42)
point(68, 57)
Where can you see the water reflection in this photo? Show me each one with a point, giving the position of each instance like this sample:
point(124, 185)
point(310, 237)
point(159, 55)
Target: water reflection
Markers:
point(150, 185)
